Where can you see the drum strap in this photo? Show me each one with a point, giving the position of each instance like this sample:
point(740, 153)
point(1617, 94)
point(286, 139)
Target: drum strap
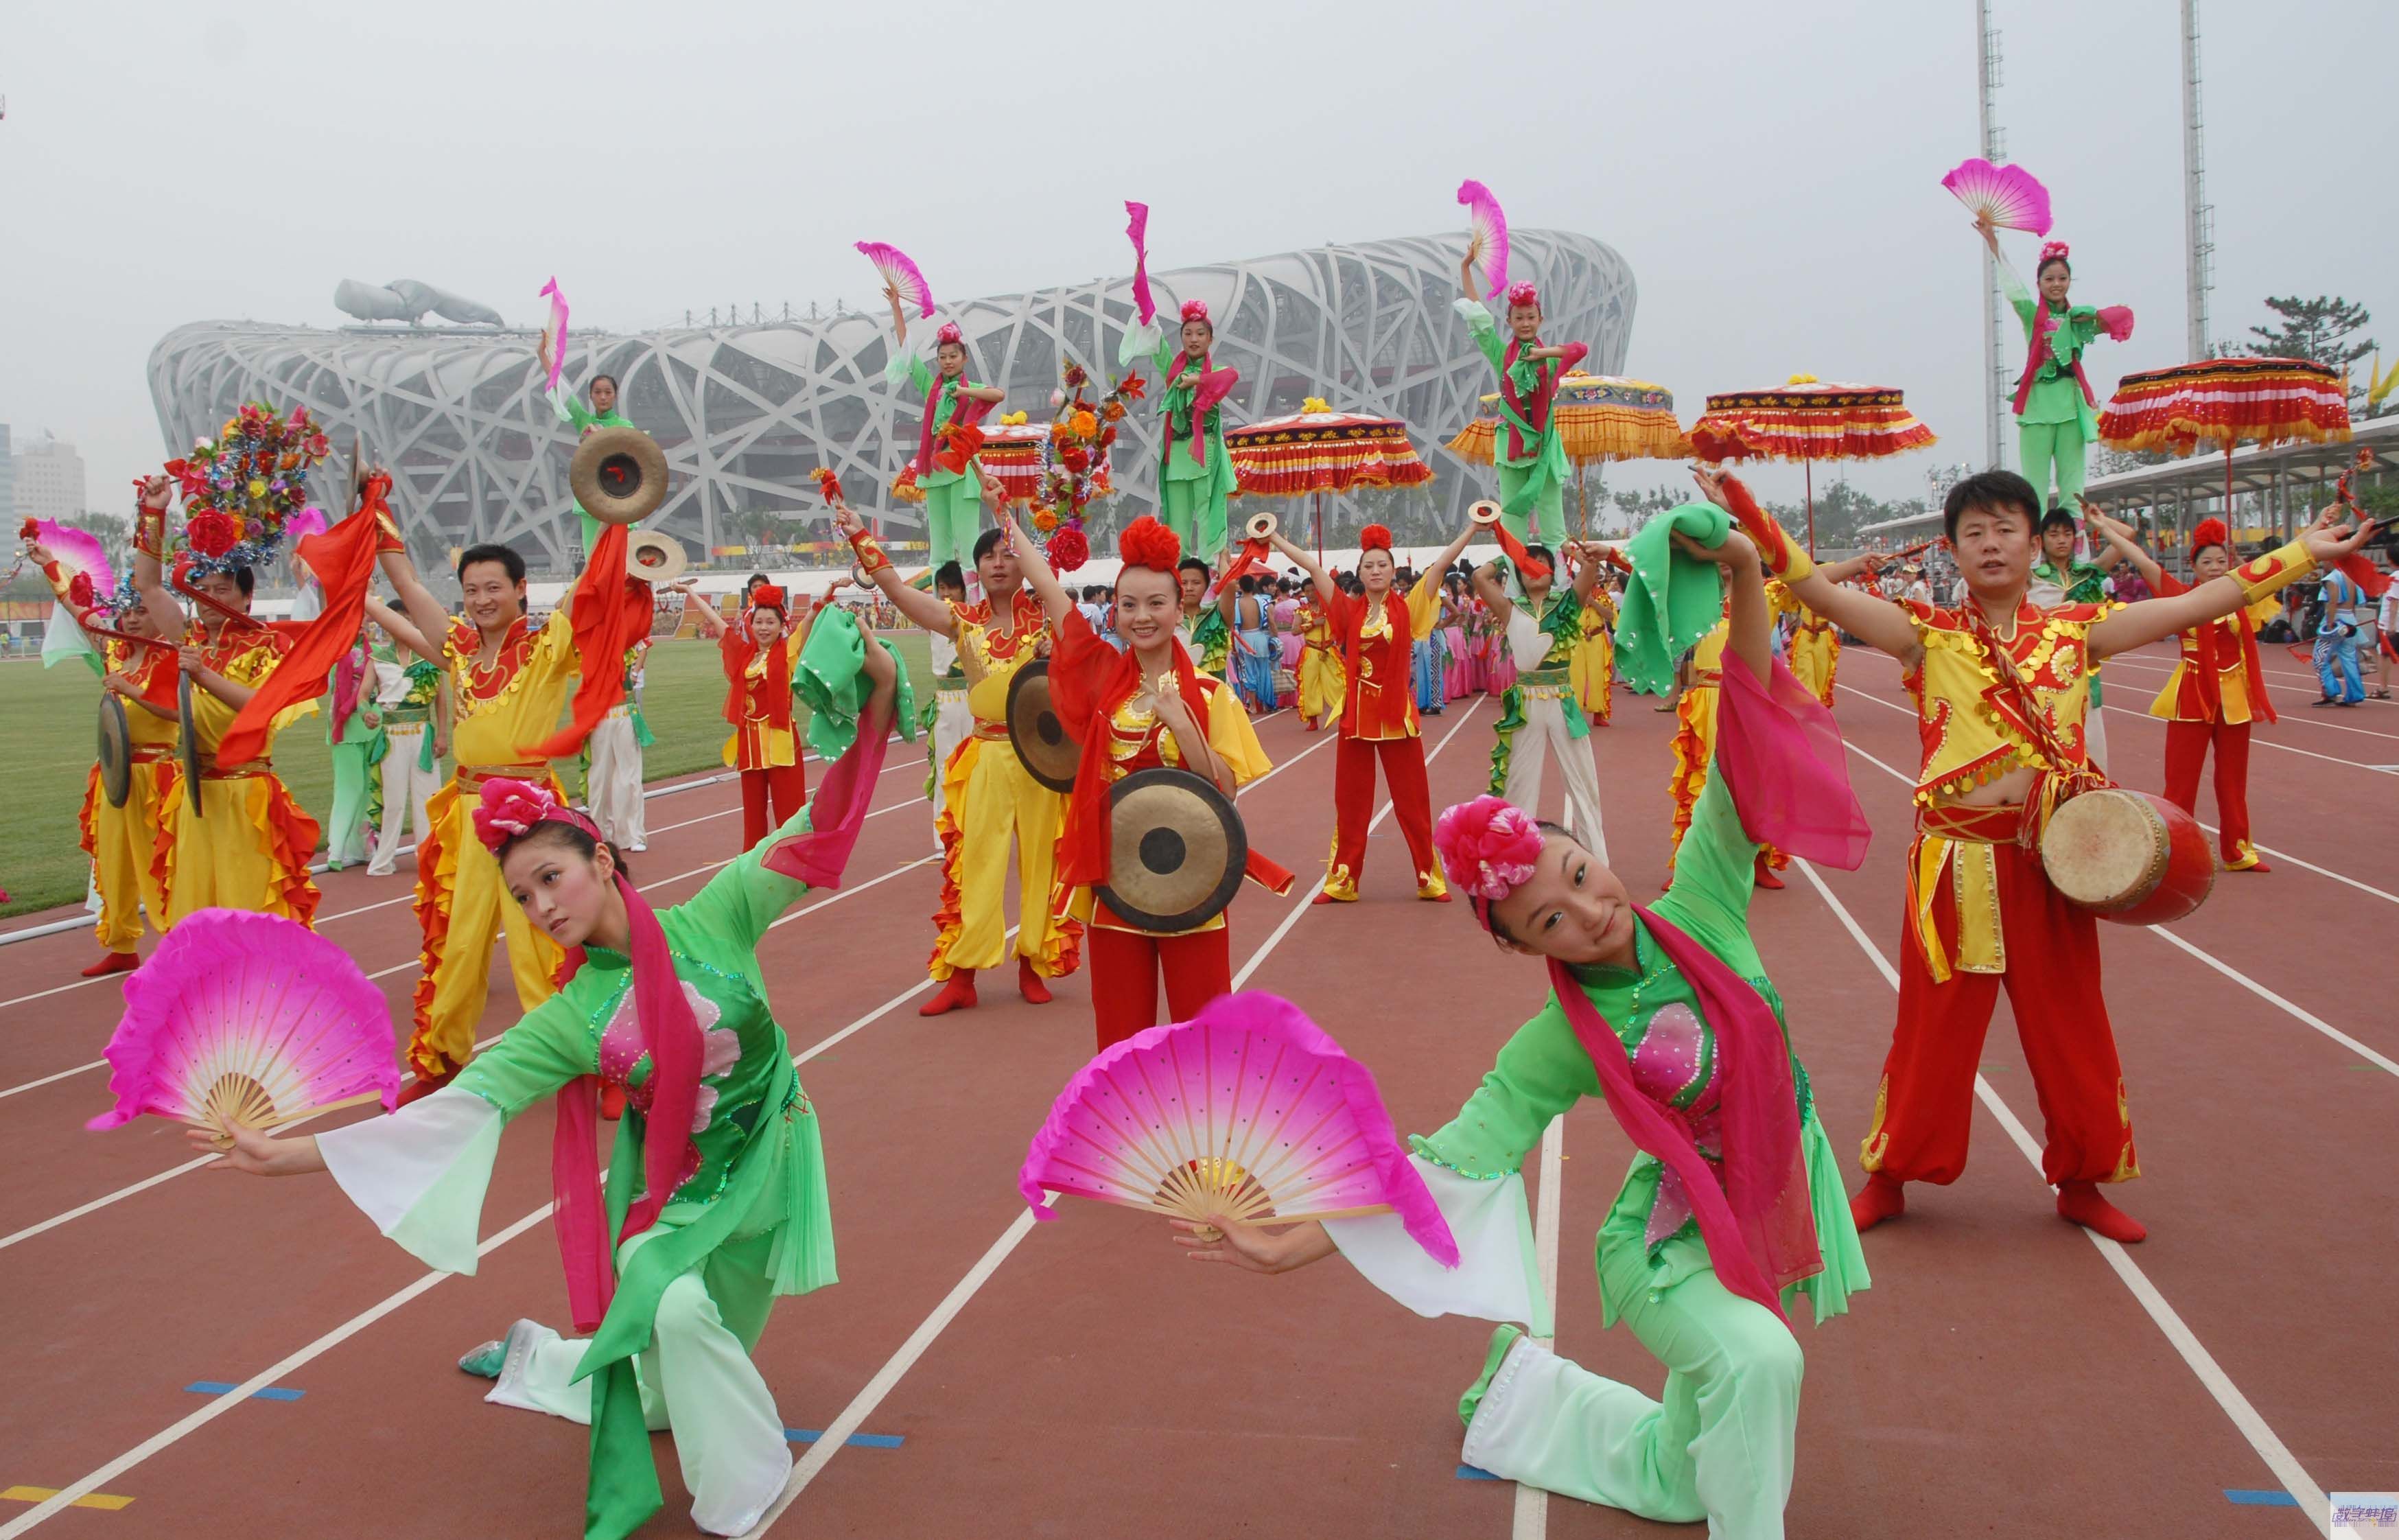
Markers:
point(2063, 774)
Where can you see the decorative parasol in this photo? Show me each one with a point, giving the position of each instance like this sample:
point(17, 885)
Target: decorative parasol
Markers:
point(1011, 452)
point(1808, 420)
point(2223, 402)
point(1600, 418)
point(1317, 450)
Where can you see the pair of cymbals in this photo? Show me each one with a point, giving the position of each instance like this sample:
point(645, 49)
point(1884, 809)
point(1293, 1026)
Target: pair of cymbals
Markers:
point(654, 557)
point(115, 752)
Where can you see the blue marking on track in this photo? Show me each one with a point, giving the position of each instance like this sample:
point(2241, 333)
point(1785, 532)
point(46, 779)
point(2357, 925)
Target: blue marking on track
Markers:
point(1475, 1473)
point(2254, 1497)
point(225, 1387)
point(855, 1440)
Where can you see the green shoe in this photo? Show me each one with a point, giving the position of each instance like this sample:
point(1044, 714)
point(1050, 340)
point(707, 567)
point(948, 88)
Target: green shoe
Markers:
point(484, 1362)
point(1502, 1339)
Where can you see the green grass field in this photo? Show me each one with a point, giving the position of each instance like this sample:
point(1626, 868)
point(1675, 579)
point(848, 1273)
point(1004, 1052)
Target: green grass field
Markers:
point(48, 722)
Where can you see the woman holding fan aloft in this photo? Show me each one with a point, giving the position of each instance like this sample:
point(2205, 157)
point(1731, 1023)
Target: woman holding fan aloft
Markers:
point(1195, 474)
point(1529, 454)
point(2056, 420)
point(1731, 1212)
point(947, 471)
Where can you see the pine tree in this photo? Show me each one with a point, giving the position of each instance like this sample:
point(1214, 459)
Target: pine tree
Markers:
point(2317, 329)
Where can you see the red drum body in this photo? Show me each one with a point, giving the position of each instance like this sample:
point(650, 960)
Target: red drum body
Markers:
point(2128, 856)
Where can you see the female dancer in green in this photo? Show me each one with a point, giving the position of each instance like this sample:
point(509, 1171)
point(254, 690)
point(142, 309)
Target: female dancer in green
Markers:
point(1195, 474)
point(1527, 452)
point(947, 471)
point(2055, 418)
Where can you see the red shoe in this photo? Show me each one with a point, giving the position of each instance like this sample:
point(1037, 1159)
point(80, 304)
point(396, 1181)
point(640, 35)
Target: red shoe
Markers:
point(1766, 877)
point(958, 994)
point(611, 1100)
point(1029, 984)
point(1881, 1198)
point(113, 963)
point(2081, 1202)
point(423, 1086)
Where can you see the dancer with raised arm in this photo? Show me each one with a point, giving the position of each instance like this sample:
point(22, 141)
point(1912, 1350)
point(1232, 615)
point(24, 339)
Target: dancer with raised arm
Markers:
point(1732, 1210)
point(674, 1268)
point(1140, 708)
point(1979, 911)
point(988, 796)
point(1375, 631)
point(572, 413)
point(1529, 454)
point(761, 649)
point(1539, 625)
point(947, 470)
point(2057, 410)
point(1195, 473)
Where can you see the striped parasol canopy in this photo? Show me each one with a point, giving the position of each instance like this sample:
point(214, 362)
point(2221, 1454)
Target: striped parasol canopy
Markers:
point(1323, 452)
point(1011, 452)
point(2218, 403)
point(1809, 419)
point(1600, 418)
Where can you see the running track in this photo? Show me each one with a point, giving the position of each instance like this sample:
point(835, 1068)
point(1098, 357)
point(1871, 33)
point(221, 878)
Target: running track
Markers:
point(2007, 1374)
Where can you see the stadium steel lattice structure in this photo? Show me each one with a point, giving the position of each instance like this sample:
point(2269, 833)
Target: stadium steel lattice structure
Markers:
point(745, 412)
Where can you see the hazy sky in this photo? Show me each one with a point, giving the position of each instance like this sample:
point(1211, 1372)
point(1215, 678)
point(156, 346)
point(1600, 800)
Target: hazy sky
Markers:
point(1771, 171)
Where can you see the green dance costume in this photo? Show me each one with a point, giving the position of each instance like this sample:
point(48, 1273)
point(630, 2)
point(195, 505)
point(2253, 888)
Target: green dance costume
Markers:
point(2056, 422)
point(1195, 474)
point(944, 475)
point(1527, 450)
point(573, 413)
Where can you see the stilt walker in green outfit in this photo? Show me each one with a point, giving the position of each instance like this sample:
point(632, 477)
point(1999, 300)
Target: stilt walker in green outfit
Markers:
point(1732, 1211)
point(2056, 420)
point(946, 468)
point(1195, 474)
point(1529, 454)
point(602, 413)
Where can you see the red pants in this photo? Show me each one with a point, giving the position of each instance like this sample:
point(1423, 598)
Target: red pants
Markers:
point(787, 784)
point(2186, 751)
point(1926, 1106)
point(1125, 965)
point(1353, 808)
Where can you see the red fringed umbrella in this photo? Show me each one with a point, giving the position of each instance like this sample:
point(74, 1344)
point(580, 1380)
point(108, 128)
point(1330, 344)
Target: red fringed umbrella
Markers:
point(2224, 403)
point(1808, 420)
point(1316, 452)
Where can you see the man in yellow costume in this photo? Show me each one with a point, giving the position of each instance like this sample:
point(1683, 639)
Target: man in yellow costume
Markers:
point(986, 793)
point(508, 684)
point(243, 842)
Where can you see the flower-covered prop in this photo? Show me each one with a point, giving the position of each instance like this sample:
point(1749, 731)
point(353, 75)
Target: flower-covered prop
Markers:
point(828, 484)
point(242, 488)
point(1073, 462)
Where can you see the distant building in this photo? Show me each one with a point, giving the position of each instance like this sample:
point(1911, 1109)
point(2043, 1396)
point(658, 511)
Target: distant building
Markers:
point(48, 481)
point(7, 481)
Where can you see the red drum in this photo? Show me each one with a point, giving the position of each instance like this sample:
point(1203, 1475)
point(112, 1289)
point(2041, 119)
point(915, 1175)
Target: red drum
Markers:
point(2128, 856)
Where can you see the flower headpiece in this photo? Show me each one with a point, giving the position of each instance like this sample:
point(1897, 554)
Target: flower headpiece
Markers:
point(241, 487)
point(1147, 542)
point(1195, 309)
point(1523, 293)
point(2211, 531)
point(510, 809)
point(1373, 537)
point(2052, 250)
point(1489, 848)
point(769, 596)
point(949, 332)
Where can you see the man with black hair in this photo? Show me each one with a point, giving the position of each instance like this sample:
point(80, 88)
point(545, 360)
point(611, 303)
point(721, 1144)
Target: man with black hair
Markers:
point(2058, 579)
point(987, 794)
point(509, 684)
point(2001, 686)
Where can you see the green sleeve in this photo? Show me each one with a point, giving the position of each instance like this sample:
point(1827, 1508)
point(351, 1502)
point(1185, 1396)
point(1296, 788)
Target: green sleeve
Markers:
point(548, 1046)
point(577, 413)
point(1716, 869)
point(919, 375)
point(2017, 295)
point(1485, 331)
point(1542, 1072)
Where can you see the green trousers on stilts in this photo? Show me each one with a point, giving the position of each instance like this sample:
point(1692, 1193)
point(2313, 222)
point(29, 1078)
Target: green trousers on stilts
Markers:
point(1537, 490)
point(953, 516)
point(2041, 446)
point(346, 830)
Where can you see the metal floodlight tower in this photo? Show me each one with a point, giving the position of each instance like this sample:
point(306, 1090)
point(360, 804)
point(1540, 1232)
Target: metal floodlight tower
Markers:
point(1995, 150)
point(2199, 216)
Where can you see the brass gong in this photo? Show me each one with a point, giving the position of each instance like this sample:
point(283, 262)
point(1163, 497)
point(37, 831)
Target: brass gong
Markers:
point(115, 752)
point(1176, 851)
point(619, 475)
point(188, 749)
point(1041, 742)
point(654, 558)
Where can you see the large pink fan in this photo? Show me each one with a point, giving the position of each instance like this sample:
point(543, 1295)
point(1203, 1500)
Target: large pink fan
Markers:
point(553, 331)
point(1487, 242)
point(1138, 228)
point(248, 1018)
point(1249, 1113)
point(79, 555)
point(900, 273)
point(2008, 197)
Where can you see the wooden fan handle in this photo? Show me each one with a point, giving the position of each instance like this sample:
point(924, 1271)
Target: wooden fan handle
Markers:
point(359, 1100)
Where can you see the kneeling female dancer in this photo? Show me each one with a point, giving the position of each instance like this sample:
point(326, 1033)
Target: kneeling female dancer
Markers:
point(674, 1266)
point(1733, 1206)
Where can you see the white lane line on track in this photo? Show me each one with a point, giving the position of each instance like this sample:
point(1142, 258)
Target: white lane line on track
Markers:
point(2258, 741)
point(864, 1403)
point(2255, 987)
point(2262, 849)
point(216, 1407)
point(2316, 691)
point(2204, 1367)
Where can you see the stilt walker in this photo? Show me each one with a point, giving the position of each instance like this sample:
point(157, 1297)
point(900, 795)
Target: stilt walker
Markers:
point(1377, 632)
point(1140, 708)
point(674, 1268)
point(1195, 473)
point(1731, 1214)
point(987, 794)
point(944, 466)
point(1529, 454)
point(1540, 627)
point(2056, 416)
point(572, 413)
point(1981, 910)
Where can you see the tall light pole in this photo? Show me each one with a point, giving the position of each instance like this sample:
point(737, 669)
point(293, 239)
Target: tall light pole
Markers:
point(2199, 219)
point(1986, 60)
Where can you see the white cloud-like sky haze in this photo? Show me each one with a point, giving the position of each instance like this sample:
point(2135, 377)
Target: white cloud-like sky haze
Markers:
point(1770, 173)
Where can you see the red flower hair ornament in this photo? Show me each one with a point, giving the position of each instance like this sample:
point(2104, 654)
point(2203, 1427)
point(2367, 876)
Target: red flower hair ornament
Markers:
point(1489, 848)
point(1147, 542)
point(1373, 537)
